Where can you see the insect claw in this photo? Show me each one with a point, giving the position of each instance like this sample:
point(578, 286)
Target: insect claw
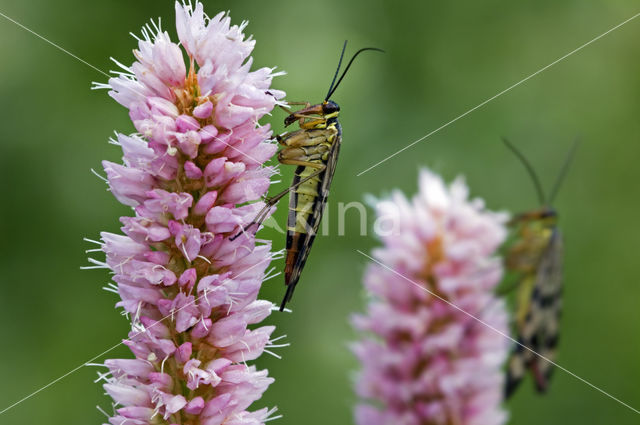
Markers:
point(243, 231)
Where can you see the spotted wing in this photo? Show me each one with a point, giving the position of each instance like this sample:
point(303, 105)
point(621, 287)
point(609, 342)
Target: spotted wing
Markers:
point(539, 330)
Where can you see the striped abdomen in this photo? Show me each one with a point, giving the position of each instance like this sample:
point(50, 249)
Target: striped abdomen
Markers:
point(301, 223)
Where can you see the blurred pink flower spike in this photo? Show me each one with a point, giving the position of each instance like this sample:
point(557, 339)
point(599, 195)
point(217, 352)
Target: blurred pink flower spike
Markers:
point(191, 292)
point(424, 360)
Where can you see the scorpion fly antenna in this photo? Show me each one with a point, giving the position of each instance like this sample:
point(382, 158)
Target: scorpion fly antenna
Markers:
point(530, 170)
point(333, 88)
point(564, 169)
point(337, 71)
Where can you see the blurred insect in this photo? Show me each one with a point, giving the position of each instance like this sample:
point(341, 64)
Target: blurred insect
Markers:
point(537, 257)
point(314, 149)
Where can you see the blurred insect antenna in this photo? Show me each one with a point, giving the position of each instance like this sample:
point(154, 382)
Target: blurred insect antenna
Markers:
point(530, 170)
point(563, 171)
point(344, 47)
point(333, 89)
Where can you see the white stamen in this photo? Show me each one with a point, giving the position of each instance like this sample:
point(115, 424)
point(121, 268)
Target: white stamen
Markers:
point(99, 86)
point(269, 276)
point(273, 354)
point(242, 354)
point(138, 309)
point(278, 338)
point(204, 258)
point(271, 412)
point(99, 176)
point(204, 324)
point(162, 364)
point(98, 265)
point(102, 377)
point(125, 67)
point(205, 296)
point(103, 412)
point(111, 288)
point(184, 251)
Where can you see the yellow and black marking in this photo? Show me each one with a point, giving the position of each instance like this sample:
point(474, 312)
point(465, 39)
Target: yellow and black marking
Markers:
point(537, 258)
point(316, 162)
point(314, 149)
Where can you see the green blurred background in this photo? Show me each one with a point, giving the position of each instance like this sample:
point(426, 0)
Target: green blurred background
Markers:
point(442, 59)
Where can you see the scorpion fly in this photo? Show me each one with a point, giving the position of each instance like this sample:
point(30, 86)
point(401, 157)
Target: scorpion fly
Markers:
point(537, 258)
point(314, 149)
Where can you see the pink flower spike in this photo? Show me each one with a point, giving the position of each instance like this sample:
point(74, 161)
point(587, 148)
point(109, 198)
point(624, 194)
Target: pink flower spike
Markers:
point(157, 257)
point(189, 291)
point(204, 110)
point(161, 381)
point(186, 123)
point(162, 106)
point(205, 203)
point(188, 279)
point(423, 360)
point(189, 143)
point(195, 406)
point(183, 353)
point(128, 185)
point(208, 133)
point(201, 329)
point(192, 171)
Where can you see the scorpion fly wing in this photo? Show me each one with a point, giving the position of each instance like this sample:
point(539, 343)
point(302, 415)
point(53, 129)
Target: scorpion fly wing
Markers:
point(299, 244)
point(546, 309)
point(539, 330)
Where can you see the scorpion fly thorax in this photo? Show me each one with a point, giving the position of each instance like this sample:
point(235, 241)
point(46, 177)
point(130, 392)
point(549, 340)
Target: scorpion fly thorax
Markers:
point(331, 111)
point(534, 231)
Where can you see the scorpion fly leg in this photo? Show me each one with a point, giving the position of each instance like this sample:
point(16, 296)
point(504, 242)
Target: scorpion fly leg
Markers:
point(270, 202)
